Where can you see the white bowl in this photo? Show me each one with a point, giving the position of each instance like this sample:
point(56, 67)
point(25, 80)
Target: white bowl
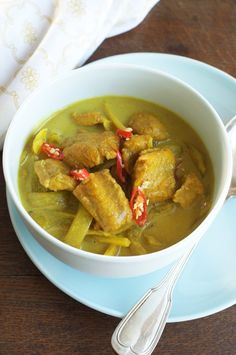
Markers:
point(120, 79)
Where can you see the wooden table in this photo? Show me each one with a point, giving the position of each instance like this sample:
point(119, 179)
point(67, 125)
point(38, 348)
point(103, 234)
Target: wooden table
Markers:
point(36, 317)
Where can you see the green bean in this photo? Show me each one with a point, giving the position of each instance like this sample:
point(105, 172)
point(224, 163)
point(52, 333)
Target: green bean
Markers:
point(59, 231)
point(112, 250)
point(39, 139)
point(104, 237)
point(115, 120)
point(107, 124)
point(78, 228)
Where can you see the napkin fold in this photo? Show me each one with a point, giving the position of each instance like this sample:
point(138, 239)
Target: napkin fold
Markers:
point(40, 39)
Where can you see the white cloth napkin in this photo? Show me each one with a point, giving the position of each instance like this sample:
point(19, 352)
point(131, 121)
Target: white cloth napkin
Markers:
point(40, 39)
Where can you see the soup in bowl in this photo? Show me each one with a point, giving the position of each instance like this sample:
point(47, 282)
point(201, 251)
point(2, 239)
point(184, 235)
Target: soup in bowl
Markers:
point(117, 169)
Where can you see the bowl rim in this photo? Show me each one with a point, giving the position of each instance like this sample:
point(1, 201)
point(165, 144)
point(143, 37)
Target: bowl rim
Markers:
point(100, 257)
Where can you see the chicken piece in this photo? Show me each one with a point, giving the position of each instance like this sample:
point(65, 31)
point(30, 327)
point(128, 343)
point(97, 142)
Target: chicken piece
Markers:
point(131, 149)
point(53, 174)
point(147, 123)
point(88, 118)
point(154, 173)
point(90, 149)
point(189, 191)
point(105, 200)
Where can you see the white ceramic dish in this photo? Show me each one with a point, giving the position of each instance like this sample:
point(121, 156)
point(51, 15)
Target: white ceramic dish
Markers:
point(119, 80)
point(206, 286)
point(208, 283)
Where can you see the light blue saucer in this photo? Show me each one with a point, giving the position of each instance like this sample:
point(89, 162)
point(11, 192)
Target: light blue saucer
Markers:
point(208, 283)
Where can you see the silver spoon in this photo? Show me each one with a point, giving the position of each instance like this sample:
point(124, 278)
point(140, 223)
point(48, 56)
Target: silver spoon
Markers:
point(140, 330)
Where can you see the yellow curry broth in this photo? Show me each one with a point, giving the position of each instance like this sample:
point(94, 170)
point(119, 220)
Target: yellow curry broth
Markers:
point(167, 222)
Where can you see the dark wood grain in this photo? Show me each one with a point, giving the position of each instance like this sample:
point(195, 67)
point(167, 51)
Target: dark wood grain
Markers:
point(36, 317)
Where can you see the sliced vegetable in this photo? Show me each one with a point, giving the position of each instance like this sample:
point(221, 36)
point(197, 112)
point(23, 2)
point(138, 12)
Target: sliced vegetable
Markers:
point(117, 123)
point(79, 175)
point(112, 250)
point(58, 230)
point(48, 220)
point(57, 201)
point(54, 137)
point(78, 228)
point(120, 167)
point(39, 139)
point(107, 124)
point(137, 248)
point(104, 237)
point(138, 205)
point(121, 241)
point(124, 133)
point(52, 151)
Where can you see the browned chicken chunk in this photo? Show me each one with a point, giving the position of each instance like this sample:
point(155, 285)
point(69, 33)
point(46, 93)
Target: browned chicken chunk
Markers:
point(53, 174)
point(131, 150)
point(154, 173)
point(147, 123)
point(88, 118)
point(105, 200)
point(189, 191)
point(89, 149)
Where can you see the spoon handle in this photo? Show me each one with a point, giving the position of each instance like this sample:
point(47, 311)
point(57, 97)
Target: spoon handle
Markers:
point(140, 330)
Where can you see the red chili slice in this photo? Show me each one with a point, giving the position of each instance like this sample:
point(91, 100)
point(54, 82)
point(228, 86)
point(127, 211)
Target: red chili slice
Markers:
point(120, 166)
point(80, 175)
point(52, 151)
point(138, 204)
point(124, 133)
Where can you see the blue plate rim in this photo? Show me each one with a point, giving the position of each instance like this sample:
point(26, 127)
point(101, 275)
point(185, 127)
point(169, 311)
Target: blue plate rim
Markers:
point(92, 304)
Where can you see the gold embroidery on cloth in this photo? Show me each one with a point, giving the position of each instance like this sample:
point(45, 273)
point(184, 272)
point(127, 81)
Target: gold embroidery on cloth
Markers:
point(76, 7)
point(29, 77)
point(30, 36)
point(13, 94)
point(29, 33)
